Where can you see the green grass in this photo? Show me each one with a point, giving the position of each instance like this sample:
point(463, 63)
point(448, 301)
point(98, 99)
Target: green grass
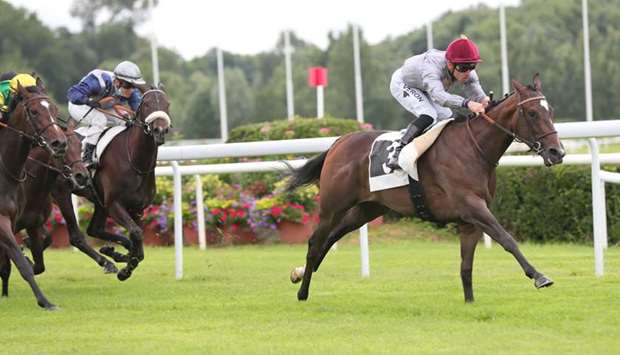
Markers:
point(239, 300)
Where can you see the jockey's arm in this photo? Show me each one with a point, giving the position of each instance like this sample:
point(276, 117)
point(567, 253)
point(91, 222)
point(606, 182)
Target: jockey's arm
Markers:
point(134, 99)
point(434, 87)
point(474, 91)
point(80, 93)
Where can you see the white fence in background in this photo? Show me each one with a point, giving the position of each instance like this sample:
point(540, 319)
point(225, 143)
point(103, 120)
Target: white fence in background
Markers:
point(315, 145)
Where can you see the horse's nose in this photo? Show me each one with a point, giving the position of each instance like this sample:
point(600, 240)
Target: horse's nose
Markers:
point(557, 152)
point(59, 146)
point(81, 179)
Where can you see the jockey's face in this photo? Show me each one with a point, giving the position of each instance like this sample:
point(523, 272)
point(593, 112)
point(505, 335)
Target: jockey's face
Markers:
point(124, 88)
point(460, 76)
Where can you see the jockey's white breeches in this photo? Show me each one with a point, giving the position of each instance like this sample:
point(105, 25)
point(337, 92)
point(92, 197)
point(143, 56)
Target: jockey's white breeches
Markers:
point(416, 101)
point(92, 123)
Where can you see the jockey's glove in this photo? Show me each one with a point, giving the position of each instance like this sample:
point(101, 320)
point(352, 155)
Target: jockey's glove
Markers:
point(93, 103)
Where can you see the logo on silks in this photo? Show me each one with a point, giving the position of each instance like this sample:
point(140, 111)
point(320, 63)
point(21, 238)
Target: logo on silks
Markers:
point(408, 91)
point(381, 152)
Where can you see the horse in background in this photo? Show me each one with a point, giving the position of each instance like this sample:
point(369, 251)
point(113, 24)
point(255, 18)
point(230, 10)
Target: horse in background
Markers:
point(42, 175)
point(457, 175)
point(31, 122)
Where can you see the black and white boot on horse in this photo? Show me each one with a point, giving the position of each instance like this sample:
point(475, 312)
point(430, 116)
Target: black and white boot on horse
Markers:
point(414, 129)
point(89, 154)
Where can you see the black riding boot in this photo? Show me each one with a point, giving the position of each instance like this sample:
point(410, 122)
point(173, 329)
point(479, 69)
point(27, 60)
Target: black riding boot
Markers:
point(87, 158)
point(414, 129)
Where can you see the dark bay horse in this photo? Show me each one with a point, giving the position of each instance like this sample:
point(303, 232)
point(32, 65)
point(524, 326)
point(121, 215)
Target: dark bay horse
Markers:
point(124, 184)
point(31, 122)
point(43, 173)
point(457, 174)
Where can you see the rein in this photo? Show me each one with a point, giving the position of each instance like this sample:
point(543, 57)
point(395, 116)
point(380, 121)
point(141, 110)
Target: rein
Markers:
point(535, 145)
point(37, 137)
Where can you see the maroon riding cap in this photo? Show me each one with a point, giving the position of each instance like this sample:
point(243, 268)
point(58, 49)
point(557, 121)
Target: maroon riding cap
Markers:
point(463, 50)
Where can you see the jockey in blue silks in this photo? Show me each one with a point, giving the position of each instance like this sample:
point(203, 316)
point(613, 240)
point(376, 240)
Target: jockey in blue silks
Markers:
point(98, 92)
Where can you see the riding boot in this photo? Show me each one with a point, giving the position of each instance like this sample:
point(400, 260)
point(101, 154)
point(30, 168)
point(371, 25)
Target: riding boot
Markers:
point(414, 129)
point(87, 158)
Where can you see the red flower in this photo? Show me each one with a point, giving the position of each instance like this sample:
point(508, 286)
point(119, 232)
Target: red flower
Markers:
point(276, 211)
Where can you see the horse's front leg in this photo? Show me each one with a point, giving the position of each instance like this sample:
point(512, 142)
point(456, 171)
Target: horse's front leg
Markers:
point(76, 237)
point(136, 254)
point(469, 235)
point(96, 229)
point(12, 250)
point(5, 272)
point(478, 214)
point(37, 236)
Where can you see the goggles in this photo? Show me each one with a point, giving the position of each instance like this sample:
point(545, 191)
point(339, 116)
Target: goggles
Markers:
point(465, 67)
point(126, 85)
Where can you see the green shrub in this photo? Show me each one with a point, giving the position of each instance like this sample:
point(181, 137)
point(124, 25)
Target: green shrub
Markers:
point(298, 128)
point(552, 205)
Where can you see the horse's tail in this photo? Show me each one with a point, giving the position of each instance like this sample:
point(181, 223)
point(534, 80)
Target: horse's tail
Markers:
point(307, 174)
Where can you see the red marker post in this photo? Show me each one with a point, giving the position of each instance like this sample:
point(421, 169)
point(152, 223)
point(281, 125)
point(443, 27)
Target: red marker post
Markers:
point(317, 77)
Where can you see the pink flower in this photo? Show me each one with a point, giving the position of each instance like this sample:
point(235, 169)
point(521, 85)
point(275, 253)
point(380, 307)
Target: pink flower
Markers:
point(265, 129)
point(276, 211)
point(325, 131)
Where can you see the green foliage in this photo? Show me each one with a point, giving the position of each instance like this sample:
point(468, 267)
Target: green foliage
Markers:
point(543, 36)
point(552, 205)
point(298, 128)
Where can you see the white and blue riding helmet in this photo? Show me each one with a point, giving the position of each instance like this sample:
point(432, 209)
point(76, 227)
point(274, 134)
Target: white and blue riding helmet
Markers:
point(129, 72)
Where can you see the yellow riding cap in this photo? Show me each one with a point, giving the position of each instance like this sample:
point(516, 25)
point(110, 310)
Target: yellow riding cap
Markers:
point(25, 80)
point(9, 87)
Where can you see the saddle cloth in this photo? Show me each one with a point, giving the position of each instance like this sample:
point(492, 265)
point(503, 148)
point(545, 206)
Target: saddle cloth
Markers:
point(106, 137)
point(380, 176)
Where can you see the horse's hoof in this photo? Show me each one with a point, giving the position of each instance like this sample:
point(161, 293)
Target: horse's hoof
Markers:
point(52, 308)
point(302, 296)
point(123, 274)
point(110, 268)
point(543, 281)
point(297, 274)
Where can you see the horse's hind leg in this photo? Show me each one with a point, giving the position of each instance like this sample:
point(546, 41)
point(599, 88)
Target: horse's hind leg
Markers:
point(76, 237)
point(356, 217)
point(5, 272)
point(469, 235)
point(478, 213)
point(8, 243)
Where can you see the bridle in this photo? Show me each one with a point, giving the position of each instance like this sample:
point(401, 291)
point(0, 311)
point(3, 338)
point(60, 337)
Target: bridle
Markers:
point(146, 126)
point(37, 137)
point(534, 142)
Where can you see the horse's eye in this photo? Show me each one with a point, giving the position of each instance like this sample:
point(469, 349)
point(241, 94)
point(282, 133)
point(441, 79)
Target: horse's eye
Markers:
point(532, 114)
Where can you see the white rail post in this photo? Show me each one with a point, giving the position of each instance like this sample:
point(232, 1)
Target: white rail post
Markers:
point(221, 81)
point(200, 214)
point(320, 100)
point(290, 101)
point(76, 206)
point(488, 242)
point(359, 108)
point(504, 49)
point(598, 211)
point(178, 221)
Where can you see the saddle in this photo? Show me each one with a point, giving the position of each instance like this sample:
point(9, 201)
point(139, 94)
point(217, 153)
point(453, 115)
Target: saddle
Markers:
point(381, 177)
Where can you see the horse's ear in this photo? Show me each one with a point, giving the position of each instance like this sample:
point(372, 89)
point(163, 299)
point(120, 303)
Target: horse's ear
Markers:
point(537, 83)
point(518, 86)
point(161, 87)
point(41, 85)
point(21, 91)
